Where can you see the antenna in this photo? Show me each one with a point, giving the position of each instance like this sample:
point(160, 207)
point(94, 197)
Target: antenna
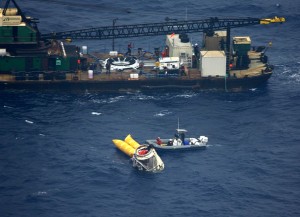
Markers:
point(178, 124)
point(185, 14)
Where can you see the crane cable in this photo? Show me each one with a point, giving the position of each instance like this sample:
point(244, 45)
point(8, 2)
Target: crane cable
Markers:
point(271, 41)
point(267, 21)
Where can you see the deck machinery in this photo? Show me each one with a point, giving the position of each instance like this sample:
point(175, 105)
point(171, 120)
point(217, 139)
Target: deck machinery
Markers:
point(26, 54)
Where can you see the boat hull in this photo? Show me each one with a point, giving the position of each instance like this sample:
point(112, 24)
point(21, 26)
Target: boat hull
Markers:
point(165, 147)
point(142, 84)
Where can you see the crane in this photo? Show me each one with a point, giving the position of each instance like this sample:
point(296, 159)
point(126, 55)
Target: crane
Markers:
point(152, 29)
point(20, 36)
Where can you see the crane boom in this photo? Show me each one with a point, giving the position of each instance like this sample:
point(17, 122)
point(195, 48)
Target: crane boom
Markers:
point(153, 29)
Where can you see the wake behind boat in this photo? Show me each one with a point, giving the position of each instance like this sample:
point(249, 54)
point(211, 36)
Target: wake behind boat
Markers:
point(179, 142)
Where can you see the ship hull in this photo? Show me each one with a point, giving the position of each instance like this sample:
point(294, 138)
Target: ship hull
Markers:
point(217, 83)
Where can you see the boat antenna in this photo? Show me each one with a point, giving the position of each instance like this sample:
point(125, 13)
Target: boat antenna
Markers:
point(178, 123)
point(185, 14)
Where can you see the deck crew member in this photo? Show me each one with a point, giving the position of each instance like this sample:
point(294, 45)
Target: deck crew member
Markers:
point(182, 70)
point(129, 49)
point(108, 65)
point(158, 141)
point(196, 51)
point(141, 66)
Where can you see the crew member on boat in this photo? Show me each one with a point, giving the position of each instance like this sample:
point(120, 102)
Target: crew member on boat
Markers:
point(158, 141)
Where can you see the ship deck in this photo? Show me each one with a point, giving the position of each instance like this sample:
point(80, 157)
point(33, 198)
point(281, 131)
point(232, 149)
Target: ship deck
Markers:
point(256, 68)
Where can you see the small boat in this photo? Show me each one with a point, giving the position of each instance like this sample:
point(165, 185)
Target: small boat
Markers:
point(179, 142)
point(146, 158)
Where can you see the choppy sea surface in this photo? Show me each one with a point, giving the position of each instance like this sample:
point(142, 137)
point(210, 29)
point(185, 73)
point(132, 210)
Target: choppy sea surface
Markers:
point(57, 156)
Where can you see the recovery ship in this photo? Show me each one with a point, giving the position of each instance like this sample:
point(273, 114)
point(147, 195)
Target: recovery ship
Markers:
point(31, 60)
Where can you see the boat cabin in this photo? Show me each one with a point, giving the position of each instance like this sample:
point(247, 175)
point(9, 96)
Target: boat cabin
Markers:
point(181, 134)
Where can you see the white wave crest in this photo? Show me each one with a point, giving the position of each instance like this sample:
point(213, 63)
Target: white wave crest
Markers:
point(295, 77)
point(162, 113)
point(186, 96)
point(96, 113)
point(5, 106)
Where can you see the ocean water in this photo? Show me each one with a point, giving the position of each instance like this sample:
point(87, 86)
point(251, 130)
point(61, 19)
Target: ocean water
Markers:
point(57, 157)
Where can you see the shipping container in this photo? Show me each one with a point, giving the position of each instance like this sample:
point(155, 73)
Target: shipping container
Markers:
point(241, 45)
point(6, 35)
point(20, 34)
point(212, 63)
point(12, 64)
point(215, 42)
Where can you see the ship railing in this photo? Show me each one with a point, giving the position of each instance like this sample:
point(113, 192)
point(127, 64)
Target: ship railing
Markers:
point(40, 75)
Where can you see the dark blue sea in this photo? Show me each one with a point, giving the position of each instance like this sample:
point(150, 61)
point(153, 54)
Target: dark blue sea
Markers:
point(56, 152)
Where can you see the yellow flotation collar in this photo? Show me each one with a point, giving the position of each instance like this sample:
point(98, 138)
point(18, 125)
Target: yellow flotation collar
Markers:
point(124, 147)
point(132, 142)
